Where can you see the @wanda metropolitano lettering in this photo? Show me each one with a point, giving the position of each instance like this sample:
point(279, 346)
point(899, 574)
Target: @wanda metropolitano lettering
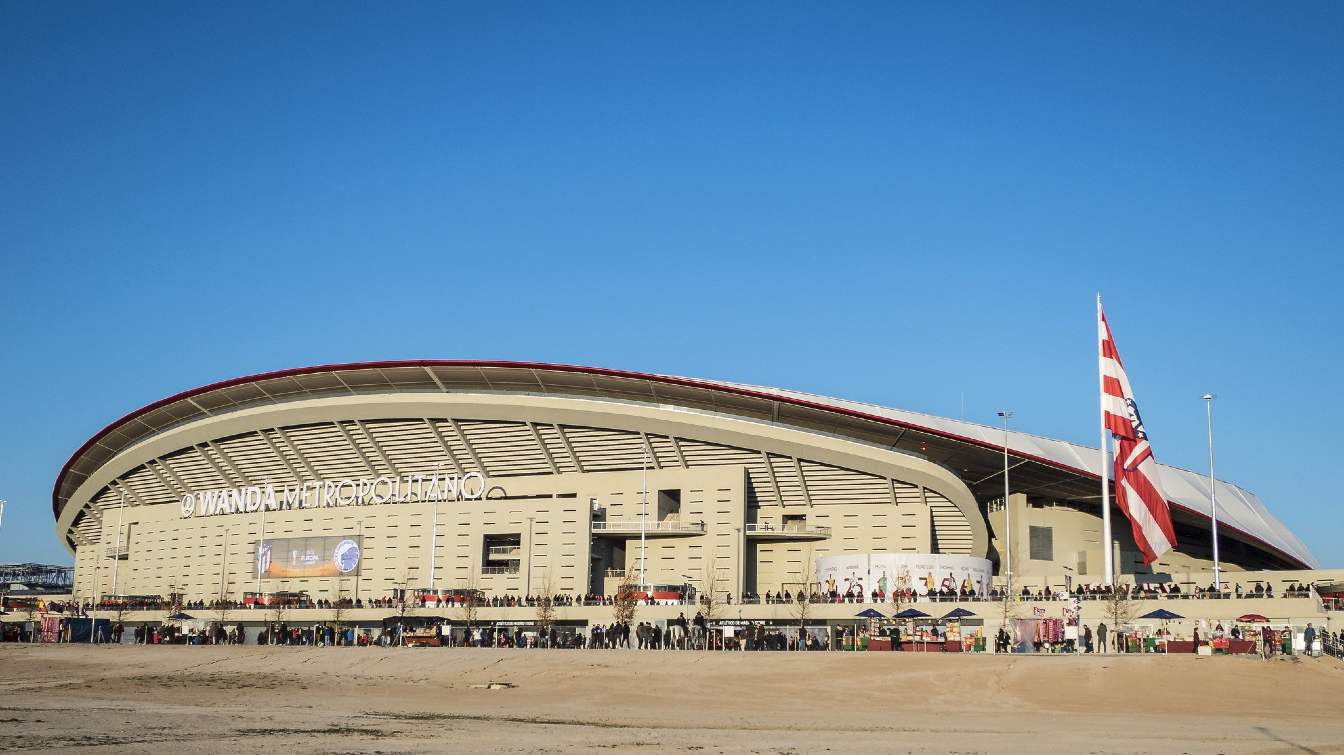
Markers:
point(412, 488)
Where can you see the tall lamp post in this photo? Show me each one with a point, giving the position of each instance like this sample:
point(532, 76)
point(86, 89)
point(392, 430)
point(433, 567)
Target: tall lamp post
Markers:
point(1007, 510)
point(116, 549)
point(433, 529)
point(2, 521)
point(644, 518)
point(1213, 497)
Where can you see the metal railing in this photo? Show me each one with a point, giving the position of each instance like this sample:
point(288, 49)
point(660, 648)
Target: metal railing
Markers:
point(790, 528)
point(118, 551)
point(507, 551)
point(633, 526)
point(510, 569)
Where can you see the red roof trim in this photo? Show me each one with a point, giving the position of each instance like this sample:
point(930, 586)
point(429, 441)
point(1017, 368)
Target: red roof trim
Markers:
point(606, 372)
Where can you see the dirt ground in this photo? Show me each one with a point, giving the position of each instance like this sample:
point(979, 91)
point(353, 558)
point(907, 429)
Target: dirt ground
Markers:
point(301, 700)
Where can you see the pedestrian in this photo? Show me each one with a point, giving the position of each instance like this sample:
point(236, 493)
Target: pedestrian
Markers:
point(1101, 638)
point(1087, 639)
point(1309, 637)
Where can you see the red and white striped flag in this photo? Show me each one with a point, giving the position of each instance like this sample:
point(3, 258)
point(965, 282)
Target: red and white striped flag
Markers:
point(1138, 490)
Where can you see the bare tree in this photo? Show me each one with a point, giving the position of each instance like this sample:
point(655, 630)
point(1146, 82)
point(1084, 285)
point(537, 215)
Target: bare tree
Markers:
point(546, 609)
point(177, 601)
point(802, 604)
point(469, 609)
point(221, 613)
point(1120, 608)
point(277, 610)
point(31, 612)
point(712, 598)
point(1012, 601)
point(403, 605)
point(339, 611)
point(626, 601)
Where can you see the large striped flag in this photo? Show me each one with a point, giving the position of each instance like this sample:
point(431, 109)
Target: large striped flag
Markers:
point(1138, 490)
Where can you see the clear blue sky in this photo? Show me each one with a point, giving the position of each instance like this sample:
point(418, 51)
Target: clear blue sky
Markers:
point(897, 204)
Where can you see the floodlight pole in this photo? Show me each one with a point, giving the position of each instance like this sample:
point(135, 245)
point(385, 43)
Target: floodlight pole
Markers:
point(1007, 510)
point(433, 529)
point(1213, 498)
point(2, 521)
point(116, 549)
point(256, 557)
point(223, 564)
point(643, 519)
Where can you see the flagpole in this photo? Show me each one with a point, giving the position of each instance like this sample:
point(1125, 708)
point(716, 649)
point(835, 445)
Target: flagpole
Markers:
point(1106, 546)
point(1213, 498)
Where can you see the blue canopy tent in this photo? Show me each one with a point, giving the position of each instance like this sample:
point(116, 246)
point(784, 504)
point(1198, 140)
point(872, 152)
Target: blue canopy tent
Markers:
point(911, 613)
point(870, 613)
point(958, 613)
point(1162, 614)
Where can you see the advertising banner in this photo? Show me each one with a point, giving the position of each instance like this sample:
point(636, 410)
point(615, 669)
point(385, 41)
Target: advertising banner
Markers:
point(290, 557)
point(843, 575)
point(887, 572)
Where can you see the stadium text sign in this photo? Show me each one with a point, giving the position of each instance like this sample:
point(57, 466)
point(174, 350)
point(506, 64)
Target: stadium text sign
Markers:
point(413, 488)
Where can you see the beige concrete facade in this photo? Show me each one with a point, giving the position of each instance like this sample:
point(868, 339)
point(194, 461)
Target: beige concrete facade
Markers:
point(770, 499)
point(744, 491)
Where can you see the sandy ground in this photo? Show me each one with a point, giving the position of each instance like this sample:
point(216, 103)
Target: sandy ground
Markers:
point(297, 700)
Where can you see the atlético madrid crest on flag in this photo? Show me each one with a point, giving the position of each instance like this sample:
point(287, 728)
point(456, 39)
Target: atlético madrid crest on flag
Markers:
point(264, 554)
point(1138, 489)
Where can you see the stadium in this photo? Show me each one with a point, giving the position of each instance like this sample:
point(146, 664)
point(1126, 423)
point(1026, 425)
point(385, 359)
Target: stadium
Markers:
point(515, 478)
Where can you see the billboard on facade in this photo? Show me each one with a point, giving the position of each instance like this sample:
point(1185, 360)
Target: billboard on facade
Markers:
point(855, 574)
point(322, 556)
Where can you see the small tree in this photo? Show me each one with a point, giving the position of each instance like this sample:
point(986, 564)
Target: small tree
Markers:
point(711, 601)
point(177, 601)
point(403, 606)
point(625, 603)
point(802, 604)
point(277, 611)
point(1011, 605)
point(31, 613)
point(221, 614)
point(469, 609)
point(546, 609)
point(339, 610)
point(1120, 608)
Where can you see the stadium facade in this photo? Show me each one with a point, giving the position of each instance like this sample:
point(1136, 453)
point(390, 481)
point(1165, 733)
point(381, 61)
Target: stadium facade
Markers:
point(523, 478)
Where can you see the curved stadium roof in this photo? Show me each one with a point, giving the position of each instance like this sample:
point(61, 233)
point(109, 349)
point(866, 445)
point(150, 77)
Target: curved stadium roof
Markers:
point(1042, 466)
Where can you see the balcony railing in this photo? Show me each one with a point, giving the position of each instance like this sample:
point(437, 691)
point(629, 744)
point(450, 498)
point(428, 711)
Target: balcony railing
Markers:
point(509, 569)
point(504, 551)
point(791, 528)
point(632, 526)
point(118, 551)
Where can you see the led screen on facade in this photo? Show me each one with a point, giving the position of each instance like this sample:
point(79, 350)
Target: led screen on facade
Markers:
point(289, 557)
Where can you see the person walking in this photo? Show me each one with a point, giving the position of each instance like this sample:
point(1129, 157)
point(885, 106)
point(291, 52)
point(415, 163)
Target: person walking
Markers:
point(1087, 639)
point(1309, 637)
point(1101, 638)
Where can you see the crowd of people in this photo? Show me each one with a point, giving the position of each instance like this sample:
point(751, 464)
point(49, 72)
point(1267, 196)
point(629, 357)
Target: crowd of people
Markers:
point(688, 597)
point(1154, 591)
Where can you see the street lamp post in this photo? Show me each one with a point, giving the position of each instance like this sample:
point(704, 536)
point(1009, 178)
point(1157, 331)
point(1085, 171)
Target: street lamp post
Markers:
point(1007, 510)
point(1213, 497)
point(643, 518)
point(116, 549)
point(433, 529)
